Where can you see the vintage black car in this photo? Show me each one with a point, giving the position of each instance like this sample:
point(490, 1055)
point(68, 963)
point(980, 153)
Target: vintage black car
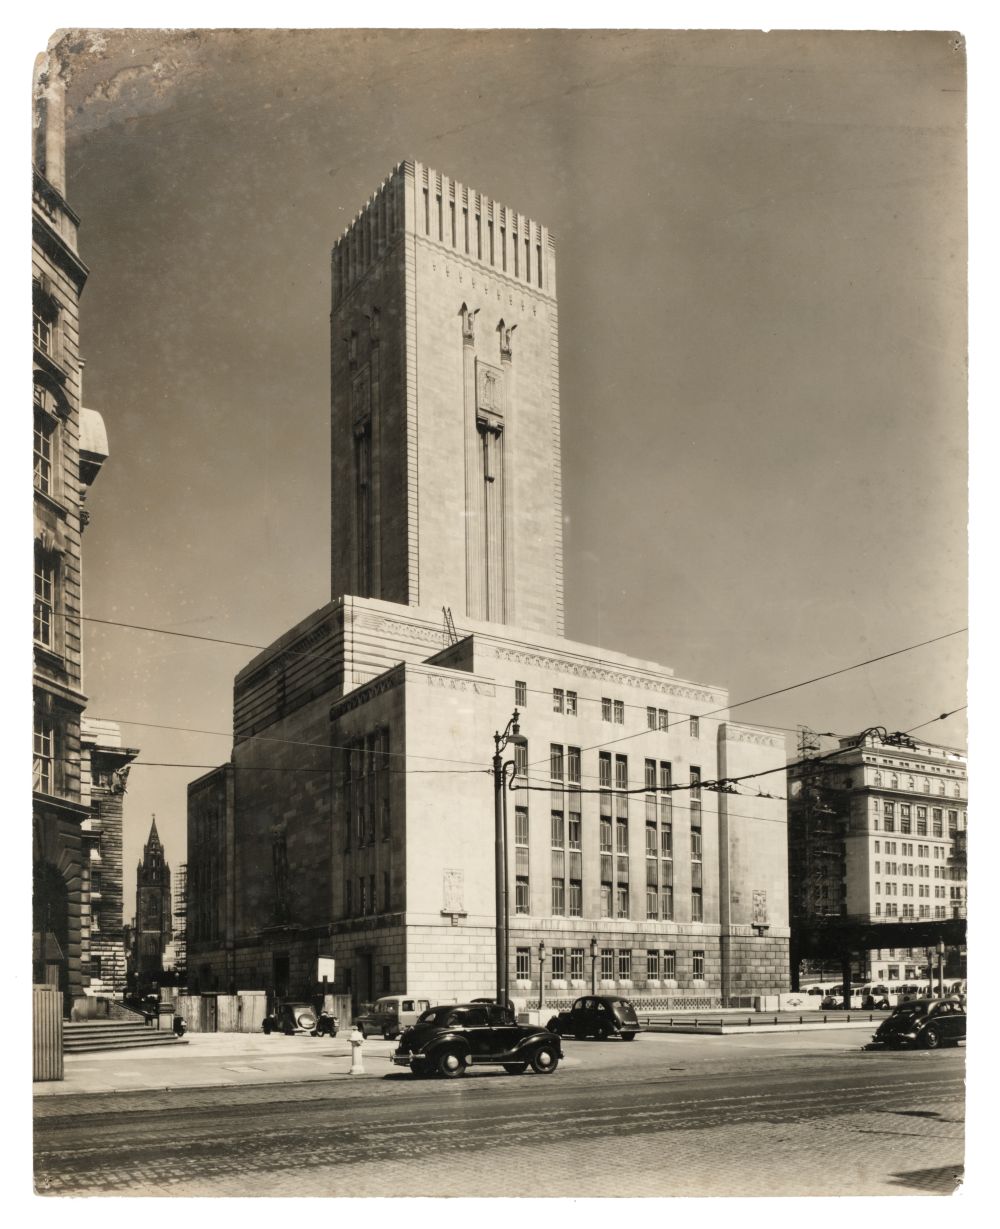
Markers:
point(448, 1040)
point(290, 1018)
point(597, 1015)
point(922, 1022)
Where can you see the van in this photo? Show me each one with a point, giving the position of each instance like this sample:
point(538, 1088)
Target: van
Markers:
point(390, 1014)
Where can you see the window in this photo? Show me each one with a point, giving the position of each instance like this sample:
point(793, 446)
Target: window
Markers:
point(621, 772)
point(606, 708)
point(558, 830)
point(695, 781)
point(698, 964)
point(621, 836)
point(522, 903)
point(559, 963)
point(650, 718)
point(607, 963)
point(95, 881)
point(44, 436)
point(522, 963)
point(520, 759)
point(362, 897)
point(666, 802)
point(937, 821)
point(44, 756)
point(385, 891)
point(574, 829)
point(521, 826)
point(693, 727)
point(624, 964)
point(952, 823)
point(889, 816)
point(619, 712)
point(926, 785)
point(921, 821)
point(558, 897)
point(604, 832)
point(663, 718)
point(695, 840)
point(652, 964)
point(669, 965)
point(576, 963)
point(555, 761)
point(570, 703)
point(904, 817)
point(558, 700)
point(696, 911)
point(45, 580)
point(520, 694)
point(575, 898)
point(621, 900)
point(573, 765)
point(604, 769)
point(877, 779)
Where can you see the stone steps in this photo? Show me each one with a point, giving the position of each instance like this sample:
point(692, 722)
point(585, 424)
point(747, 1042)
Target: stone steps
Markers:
point(83, 1036)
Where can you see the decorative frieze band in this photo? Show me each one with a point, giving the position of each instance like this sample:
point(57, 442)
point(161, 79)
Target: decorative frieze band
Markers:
point(607, 674)
point(364, 695)
point(741, 734)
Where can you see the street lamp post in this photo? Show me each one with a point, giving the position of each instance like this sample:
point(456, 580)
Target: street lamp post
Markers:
point(940, 968)
point(593, 964)
point(511, 735)
point(541, 974)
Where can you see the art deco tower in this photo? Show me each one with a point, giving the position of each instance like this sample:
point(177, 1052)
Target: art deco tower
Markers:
point(446, 483)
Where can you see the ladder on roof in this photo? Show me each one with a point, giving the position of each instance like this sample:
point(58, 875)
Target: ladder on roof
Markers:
point(449, 625)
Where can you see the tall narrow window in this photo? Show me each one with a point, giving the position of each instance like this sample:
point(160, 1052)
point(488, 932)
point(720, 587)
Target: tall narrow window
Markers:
point(363, 506)
point(427, 211)
point(538, 262)
point(465, 228)
point(520, 694)
point(44, 600)
point(44, 756)
point(454, 236)
point(489, 227)
point(503, 248)
point(44, 435)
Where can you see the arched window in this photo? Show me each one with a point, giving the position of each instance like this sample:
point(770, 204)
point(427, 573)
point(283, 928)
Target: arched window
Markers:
point(894, 782)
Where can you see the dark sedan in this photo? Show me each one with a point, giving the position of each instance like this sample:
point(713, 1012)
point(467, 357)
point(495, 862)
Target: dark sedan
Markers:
point(597, 1015)
point(448, 1040)
point(922, 1022)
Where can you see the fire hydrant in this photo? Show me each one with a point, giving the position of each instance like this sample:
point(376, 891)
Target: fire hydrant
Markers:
point(357, 1040)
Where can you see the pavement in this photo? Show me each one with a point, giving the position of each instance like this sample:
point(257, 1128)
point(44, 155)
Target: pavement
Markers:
point(218, 1060)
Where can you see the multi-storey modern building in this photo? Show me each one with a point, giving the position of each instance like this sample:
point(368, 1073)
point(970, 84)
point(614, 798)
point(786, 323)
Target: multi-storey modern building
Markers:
point(877, 834)
point(69, 447)
point(105, 765)
point(356, 817)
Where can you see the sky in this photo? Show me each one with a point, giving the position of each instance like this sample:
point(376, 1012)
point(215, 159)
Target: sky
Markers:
point(761, 252)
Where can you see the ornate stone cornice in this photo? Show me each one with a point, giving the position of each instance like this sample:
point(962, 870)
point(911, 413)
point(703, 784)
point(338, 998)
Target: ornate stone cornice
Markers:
point(742, 734)
point(452, 683)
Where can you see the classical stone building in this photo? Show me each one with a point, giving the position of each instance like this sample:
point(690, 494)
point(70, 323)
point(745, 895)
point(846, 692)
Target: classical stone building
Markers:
point(153, 923)
point(69, 447)
point(105, 766)
point(356, 817)
point(877, 834)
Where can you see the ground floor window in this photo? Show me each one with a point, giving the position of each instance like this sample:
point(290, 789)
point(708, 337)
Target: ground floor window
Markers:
point(523, 963)
point(652, 965)
point(559, 963)
point(607, 963)
point(625, 965)
point(669, 965)
point(698, 964)
point(576, 963)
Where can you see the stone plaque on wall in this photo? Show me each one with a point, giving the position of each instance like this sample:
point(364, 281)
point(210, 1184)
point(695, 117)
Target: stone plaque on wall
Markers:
point(454, 892)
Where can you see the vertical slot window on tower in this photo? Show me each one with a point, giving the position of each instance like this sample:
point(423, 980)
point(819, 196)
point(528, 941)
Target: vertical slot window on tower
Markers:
point(538, 263)
point(427, 211)
point(527, 259)
point(440, 206)
point(503, 248)
point(465, 228)
point(454, 236)
point(489, 227)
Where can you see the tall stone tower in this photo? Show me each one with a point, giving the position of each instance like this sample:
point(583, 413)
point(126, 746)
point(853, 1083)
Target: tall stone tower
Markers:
point(153, 908)
point(446, 460)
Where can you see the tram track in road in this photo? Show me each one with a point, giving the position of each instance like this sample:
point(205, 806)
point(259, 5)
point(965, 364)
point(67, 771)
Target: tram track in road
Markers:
point(223, 1135)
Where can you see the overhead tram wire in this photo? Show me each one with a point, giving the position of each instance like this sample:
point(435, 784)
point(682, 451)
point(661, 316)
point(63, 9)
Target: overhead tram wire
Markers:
point(777, 692)
point(610, 742)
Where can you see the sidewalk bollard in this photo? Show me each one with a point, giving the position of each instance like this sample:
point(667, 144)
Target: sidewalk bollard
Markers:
point(357, 1040)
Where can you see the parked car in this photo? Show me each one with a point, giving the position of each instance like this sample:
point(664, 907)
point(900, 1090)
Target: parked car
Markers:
point(815, 990)
point(290, 1018)
point(448, 1040)
point(922, 1022)
point(600, 1016)
point(390, 1014)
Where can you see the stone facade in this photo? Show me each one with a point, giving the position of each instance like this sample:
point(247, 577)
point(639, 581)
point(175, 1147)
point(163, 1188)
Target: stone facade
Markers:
point(69, 448)
point(356, 817)
point(105, 765)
